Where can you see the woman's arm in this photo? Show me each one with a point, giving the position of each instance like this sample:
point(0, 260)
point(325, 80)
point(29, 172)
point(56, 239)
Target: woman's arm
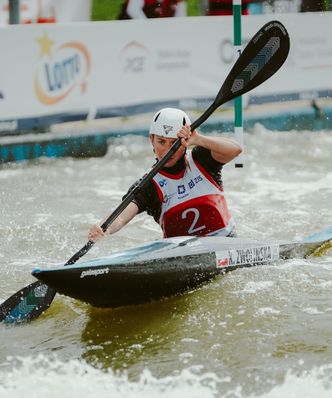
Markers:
point(223, 149)
point(127, 215)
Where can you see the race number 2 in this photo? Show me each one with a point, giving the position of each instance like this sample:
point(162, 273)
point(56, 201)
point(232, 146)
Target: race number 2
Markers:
point(193, 228)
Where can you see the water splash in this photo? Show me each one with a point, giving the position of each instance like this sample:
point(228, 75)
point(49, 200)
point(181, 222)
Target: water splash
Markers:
point(39, 377)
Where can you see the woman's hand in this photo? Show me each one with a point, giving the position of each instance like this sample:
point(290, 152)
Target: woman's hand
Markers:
point(187, 136)
point(96, 233)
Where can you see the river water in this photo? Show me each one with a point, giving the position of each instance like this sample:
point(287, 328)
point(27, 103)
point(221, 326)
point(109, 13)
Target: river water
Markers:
point(258, 332)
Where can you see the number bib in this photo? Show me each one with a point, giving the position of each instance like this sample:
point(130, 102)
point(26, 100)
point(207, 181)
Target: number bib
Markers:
point(192, 203)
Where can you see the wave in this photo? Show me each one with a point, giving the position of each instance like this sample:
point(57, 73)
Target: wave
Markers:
point(39, 377)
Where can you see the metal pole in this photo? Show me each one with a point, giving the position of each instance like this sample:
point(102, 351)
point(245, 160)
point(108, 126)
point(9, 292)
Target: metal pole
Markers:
point(237, 35)
point(14, 11)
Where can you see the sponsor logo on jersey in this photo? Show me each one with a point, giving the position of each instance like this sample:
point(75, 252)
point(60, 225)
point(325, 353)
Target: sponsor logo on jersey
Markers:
point(249, 255)
point(183, 190)
point(193, 182)
point(162, 183)
point(167, 198)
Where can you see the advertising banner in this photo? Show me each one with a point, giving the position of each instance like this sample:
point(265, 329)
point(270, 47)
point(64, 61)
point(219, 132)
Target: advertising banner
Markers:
point(60, 72)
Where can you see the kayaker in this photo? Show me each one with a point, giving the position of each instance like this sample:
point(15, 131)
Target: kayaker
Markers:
point(186, 197)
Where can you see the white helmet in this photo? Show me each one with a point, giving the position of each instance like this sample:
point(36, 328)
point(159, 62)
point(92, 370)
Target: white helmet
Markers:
point(168, 121)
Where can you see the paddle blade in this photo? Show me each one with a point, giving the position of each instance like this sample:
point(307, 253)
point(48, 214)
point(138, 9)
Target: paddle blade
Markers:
point(26, 304)
point(261, 58)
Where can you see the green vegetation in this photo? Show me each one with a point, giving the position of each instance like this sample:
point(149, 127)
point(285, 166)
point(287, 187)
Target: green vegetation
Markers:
point(103, 10)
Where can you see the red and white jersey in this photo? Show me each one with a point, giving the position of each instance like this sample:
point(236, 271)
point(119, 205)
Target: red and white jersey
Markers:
point(192, 203)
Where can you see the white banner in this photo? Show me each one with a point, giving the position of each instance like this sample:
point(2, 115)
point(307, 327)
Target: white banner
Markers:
point(43, 11)
point(61, 72)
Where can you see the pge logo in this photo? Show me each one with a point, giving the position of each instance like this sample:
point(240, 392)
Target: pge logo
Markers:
point(134, 57)
point(61, 69)
point(191, 184)
point(162, 183)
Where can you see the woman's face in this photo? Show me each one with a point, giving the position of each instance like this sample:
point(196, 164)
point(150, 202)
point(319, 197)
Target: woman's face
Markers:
point(162, 145)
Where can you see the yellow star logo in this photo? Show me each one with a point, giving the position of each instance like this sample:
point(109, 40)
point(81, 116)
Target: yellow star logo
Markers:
point(46, 45)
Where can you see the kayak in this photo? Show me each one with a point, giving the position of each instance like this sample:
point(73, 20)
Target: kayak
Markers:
point(166, 267)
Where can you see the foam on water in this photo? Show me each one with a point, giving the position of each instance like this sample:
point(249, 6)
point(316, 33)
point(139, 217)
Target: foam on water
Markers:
point(254, 333)
point(42, 377)
point(254, 287)
point(316, 383)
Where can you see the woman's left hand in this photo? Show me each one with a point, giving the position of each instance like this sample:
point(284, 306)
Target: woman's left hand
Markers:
point(187, 136)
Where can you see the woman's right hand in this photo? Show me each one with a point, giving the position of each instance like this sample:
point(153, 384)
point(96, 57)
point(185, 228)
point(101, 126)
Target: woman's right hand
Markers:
point(95, 233)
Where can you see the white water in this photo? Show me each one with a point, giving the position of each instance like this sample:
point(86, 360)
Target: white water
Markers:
point(41, 377)
point(261, 332)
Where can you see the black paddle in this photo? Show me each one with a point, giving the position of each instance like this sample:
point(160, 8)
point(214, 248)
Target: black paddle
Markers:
point(262, 57)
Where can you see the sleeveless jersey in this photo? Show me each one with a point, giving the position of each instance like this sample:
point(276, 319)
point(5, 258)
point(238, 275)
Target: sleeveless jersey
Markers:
point(192, 203)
